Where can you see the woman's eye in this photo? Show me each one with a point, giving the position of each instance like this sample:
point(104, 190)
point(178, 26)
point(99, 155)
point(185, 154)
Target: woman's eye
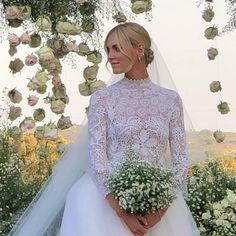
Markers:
point(117, 48)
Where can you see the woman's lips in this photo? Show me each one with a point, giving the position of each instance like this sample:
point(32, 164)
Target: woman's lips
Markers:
point(115, 64)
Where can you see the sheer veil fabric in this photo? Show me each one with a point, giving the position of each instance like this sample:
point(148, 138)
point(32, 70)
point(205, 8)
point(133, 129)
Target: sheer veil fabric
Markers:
point(43, 216)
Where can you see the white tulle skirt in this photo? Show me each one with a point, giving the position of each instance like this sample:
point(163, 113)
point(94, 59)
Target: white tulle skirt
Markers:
point(87, 213)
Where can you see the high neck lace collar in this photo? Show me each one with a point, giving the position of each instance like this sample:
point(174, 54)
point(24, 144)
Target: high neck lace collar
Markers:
point(136, 83)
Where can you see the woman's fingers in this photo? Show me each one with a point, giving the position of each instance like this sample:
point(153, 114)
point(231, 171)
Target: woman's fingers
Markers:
point(142, 219)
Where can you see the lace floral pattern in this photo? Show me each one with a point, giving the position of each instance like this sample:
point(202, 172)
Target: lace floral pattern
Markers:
point(139, 115)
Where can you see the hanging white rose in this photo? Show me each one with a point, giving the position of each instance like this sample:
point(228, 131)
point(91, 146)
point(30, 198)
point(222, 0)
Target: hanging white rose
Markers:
point(14, 113)
point(223, 108)
point(219, 136)
point(35, 40)
point(97, 85)
point(32, 100)
point(25, 12)
point(16, 132)
point(94, 57)
point(64, 122)
point(64, 27)
point(15, 96)
point(53, 67)
point(90, 72)
point(39, 114)
point(27, 123)
point(211, 32)
point(212, 53)
point(25, 38)
point(16, 65)
point(120, 17)
point(50, 131)
point(12, 13)
point(141, 6)
point(39, 132)
point(72, 46)
point(44, 23)
point(84, 89)
point(215, 86)
point(57, 106)
point(208, 14)
point(83, 49)
point(12, 50)
point(31, 60)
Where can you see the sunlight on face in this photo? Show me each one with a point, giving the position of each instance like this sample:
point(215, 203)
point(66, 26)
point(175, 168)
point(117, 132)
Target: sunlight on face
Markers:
point(120, 63)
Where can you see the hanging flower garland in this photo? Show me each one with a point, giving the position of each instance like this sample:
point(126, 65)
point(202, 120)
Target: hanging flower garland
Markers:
point(210, 34)
point(52, 26)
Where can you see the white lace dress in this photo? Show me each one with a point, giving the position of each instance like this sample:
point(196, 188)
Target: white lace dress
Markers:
point(147, 118)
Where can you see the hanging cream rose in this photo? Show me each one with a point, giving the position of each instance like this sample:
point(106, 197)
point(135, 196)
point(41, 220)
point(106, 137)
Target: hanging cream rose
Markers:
point(90, 72)
point(215, 86)
point(64, 27)
point(84, 89)
point(42, 89)
point(64, 122)
point(223, 108)
point(72, 46)
point(219, 136)
point(33, 84)
point(31, 60)
point(35, 40)
point(15, 96)
point(12, 12)
point(39, 132)
point(59, 91)
point(25, 12)
point(97, 85)
point(16, 132)
point(45, 54)
point(13, 40)
point(41, 77)
point(27, 123)
point(141, 6)
point(25, 38)
point(212, 53)
point(56, 80)
point(54, 67)
point(211, 32)
point(16, 65)
point(57, 106)
point(12, 50)
point(14, 113)
point(44, 23)
point(81, 2)
point(208, 14)
point(94, 57)
point(83, 49)
point(32, 100)
point(39, 114)
point(50, 131)
point(120, 17)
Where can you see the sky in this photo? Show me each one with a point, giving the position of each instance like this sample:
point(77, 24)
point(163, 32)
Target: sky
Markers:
point(178, 29)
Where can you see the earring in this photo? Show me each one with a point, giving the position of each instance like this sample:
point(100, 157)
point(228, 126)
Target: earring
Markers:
point(140, 57)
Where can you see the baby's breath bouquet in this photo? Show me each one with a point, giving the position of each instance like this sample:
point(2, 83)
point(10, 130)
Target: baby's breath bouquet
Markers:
point(141, 187)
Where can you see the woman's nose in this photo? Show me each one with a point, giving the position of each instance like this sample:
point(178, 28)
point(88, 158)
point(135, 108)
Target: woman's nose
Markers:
point(111, 55)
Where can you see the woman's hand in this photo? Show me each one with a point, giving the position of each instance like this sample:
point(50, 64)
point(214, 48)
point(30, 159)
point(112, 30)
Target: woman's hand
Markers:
point(154, 218)
point(137, 224)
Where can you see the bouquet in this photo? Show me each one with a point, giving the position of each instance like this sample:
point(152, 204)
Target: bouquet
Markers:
point(141, 187)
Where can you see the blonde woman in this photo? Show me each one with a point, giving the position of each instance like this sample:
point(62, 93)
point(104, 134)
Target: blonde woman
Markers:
point(138, 113)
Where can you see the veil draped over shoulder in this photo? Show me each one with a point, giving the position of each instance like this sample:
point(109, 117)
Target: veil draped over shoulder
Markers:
point(44, 214)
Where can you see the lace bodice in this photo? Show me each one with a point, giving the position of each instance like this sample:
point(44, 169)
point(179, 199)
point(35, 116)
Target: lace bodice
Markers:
point(139, 115)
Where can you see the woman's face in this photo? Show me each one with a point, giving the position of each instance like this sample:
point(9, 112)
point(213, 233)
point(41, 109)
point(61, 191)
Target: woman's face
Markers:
point(120, 63)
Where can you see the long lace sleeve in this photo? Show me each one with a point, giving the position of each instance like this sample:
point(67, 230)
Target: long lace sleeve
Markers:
point(177, 141)
point(97, 129)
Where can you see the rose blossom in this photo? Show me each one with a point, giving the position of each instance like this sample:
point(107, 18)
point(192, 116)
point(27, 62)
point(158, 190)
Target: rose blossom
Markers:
point(31, 60)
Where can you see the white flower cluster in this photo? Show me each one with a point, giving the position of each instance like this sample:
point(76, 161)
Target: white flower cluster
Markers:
point(141, 187)
point(222, 215)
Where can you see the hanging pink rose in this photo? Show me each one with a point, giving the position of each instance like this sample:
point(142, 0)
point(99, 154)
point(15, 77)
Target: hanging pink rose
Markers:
point(56, 80)
point(13, 39)
point(32, 100)
point(31, 60)
point(25, 38)
point(12, 12)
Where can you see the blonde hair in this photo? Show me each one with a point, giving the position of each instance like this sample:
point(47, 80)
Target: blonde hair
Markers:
point(129, 35)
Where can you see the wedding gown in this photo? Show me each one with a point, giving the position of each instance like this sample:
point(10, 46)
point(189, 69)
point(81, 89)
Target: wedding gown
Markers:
point(135, 114)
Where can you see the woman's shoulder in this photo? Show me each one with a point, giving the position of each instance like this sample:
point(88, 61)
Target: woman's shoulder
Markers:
point(167, 93)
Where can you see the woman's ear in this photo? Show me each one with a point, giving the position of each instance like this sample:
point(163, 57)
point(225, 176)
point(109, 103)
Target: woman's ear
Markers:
point(140, 49)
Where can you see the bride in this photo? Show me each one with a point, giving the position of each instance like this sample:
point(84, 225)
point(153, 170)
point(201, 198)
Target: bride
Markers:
point(135, 112)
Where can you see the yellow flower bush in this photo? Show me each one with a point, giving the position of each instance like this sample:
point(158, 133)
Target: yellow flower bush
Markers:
point(39, 156)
